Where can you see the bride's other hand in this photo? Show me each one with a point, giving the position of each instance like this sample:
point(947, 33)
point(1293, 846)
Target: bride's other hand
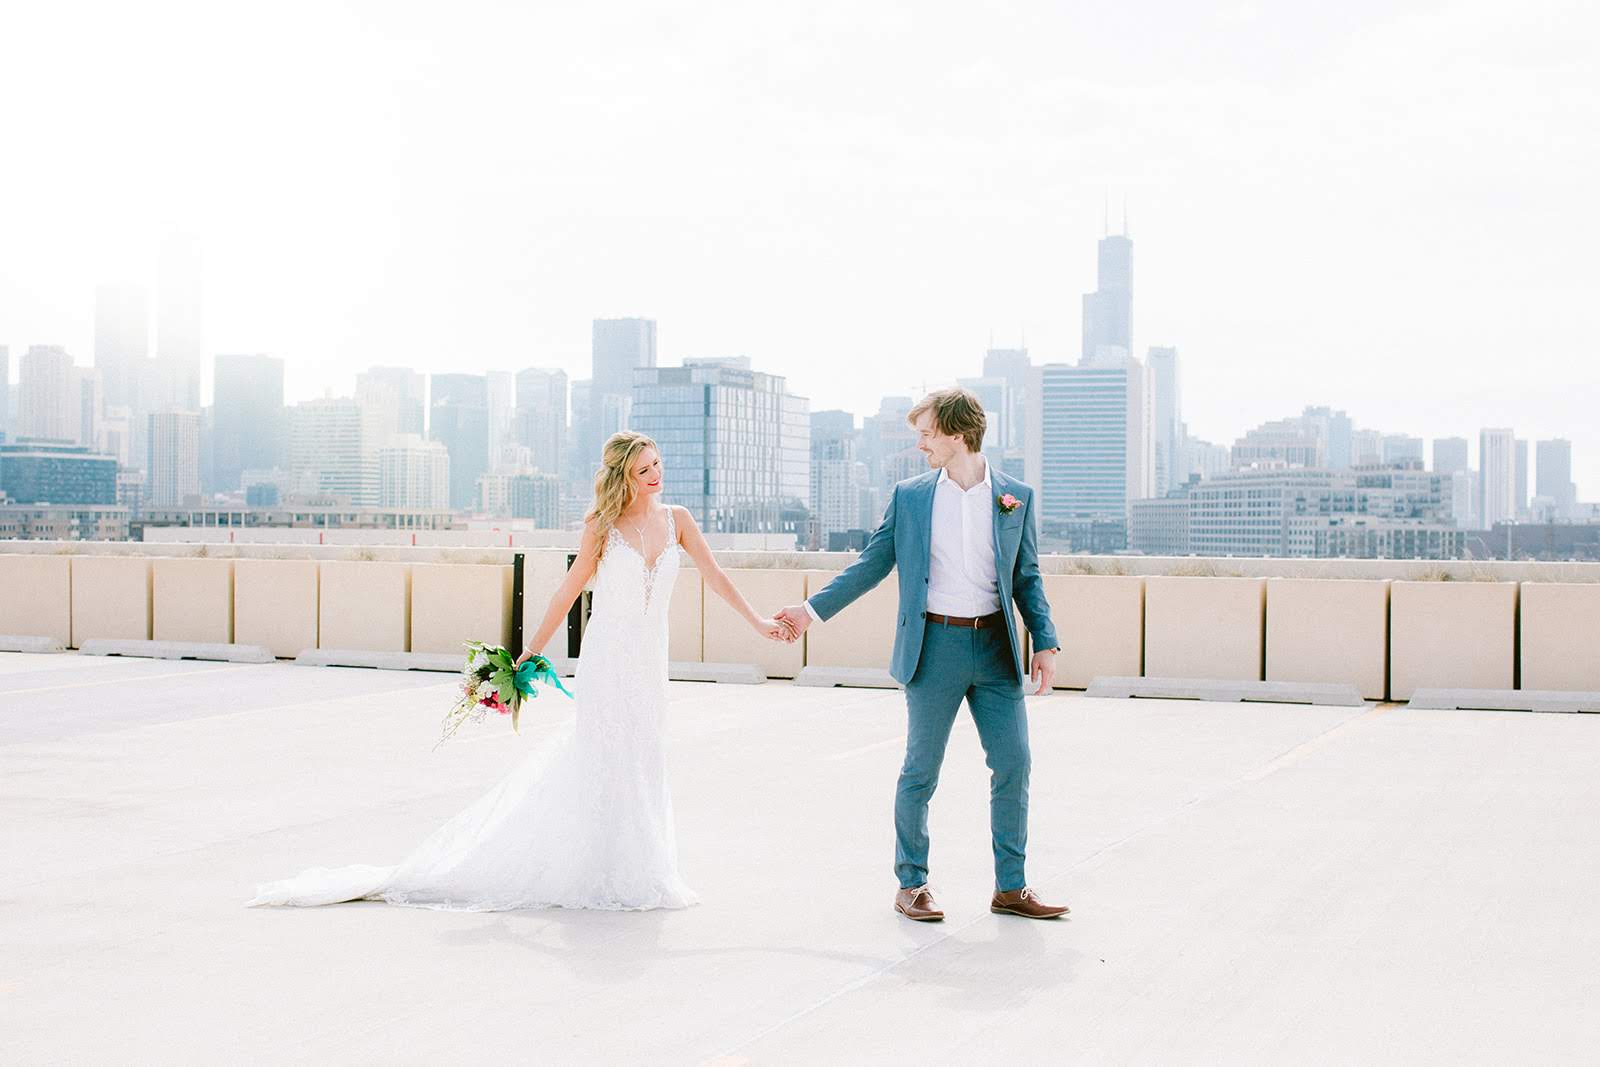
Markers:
point(525, 657)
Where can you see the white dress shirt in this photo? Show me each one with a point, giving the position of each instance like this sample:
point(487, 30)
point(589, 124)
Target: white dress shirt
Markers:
point(961, 566)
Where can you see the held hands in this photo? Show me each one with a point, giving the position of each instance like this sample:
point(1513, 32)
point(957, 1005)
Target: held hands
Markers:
point(1043, 672)
point(774, 630)
point(797, 618)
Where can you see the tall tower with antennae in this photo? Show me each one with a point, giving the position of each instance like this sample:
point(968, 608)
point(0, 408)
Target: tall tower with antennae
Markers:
point(1108, 311)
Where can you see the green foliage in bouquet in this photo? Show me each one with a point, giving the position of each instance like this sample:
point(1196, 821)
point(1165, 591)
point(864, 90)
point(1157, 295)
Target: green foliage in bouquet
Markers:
point(492, 681)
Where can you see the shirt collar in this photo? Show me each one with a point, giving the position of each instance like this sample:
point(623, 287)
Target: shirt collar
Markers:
point(944, 476)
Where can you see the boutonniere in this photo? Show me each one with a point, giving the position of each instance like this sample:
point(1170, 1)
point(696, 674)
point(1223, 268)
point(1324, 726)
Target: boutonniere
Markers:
point(1008, 503)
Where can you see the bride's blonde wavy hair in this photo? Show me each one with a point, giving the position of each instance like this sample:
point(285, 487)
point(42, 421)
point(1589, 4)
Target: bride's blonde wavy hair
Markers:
point(613, 486)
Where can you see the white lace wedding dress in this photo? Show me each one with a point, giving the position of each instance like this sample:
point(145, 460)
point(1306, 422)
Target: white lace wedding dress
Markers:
point(585, 821)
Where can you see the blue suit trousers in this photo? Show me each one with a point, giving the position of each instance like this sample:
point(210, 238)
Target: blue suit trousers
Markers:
point(977, 666)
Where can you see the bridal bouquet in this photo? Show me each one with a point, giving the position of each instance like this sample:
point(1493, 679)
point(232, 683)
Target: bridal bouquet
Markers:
point(492, 681)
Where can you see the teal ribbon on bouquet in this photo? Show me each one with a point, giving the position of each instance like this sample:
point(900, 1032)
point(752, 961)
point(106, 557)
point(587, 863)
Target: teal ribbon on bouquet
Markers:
point(528, 676)
point(537, 669)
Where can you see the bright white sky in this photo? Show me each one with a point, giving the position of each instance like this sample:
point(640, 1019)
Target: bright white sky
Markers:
point(1386, 207)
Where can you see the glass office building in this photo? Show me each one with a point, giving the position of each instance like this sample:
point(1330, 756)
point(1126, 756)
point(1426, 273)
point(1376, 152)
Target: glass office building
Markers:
point(56, 472)
point(735, 443)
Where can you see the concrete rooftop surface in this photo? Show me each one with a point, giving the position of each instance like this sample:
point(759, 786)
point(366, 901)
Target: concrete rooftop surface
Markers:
point(1250, 883)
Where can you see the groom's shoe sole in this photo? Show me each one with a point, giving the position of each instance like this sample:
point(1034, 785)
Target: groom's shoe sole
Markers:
point(936, 917)
point(1027, 915)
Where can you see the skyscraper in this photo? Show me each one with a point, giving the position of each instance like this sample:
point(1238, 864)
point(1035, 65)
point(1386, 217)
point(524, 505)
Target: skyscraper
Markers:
point(331, 451)
point(1449, 455)
point(48, 405)
point(1520, 499)
point(500, 393)
point(459, 419)
point(1497, 487)
point(1014, 366)
point(1166, 416)
point(541, 416)
point(174, 460)
point(121, 340)
point(1108, 311)
point(835, 486)
point(1335, 430)
point(179, 341)
point(618, 348)
point(735, 443)
point(413, 473)
point(89, 393)
point(889, 449)
point(1089, 450)
point(248, 417)
point(1553, 479)
point(395, 396)
point(1400, 449)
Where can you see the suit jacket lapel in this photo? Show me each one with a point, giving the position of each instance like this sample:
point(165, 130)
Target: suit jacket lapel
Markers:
point(1004, 560)
point(927, 526)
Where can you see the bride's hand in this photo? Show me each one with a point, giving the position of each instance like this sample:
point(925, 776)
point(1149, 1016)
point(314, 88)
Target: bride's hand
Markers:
point(774, 630)
point(525, 657)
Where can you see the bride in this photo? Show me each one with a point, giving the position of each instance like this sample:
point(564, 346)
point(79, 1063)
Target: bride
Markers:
point(585, 822)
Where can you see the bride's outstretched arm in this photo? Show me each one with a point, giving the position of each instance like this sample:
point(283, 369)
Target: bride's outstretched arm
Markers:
point(578, 576)
point(717, 580)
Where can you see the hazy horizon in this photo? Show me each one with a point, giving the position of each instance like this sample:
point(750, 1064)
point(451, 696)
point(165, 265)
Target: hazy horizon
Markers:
point(1383, 208)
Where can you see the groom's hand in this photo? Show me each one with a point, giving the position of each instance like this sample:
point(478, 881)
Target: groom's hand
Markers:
point(797, 618)
point(1044, 670)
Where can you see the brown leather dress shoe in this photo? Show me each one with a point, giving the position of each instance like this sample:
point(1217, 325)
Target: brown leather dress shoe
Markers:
point(917, 903)
point(1026, 903)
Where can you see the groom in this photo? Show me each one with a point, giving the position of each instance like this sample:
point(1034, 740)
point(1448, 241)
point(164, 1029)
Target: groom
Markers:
point(963, 539)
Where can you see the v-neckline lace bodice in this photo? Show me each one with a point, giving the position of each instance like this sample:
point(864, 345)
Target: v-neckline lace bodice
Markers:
point(613, 578)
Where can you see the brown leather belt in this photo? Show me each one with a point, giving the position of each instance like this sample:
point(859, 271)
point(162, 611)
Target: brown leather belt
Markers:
point(972, 624)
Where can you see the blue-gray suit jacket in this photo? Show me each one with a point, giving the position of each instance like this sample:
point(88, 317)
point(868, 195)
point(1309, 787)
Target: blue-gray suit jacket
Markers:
point(904, 540)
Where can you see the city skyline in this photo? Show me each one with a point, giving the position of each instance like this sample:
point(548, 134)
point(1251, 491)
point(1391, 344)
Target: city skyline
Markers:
point(1378, 209)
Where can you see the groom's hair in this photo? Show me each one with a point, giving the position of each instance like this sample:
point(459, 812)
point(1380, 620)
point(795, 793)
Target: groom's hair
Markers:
point(955, 411)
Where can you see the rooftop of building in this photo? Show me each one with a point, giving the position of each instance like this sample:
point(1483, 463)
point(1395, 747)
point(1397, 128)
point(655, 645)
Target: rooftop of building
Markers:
point(1249, 883)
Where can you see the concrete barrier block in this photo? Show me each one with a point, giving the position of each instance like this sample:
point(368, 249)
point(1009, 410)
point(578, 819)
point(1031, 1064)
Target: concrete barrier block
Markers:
point(1216, 690)
point(365, 606)
point(1560, 636)
point(1559, 701)
point(453, 603)
point(729, 639)
point(686, 618)
point(847, 677)
point(1451, 635)
point(1329, 630)
point(725, 673)
point(192, 601)
point(1204, 627)
point(110, 598)
point(1099, 621)
point(275, 604)
point(36, 597)
point(31, 643)
point(862, 635)
point(224, 652)
point(382, 661)
point(543, 571)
